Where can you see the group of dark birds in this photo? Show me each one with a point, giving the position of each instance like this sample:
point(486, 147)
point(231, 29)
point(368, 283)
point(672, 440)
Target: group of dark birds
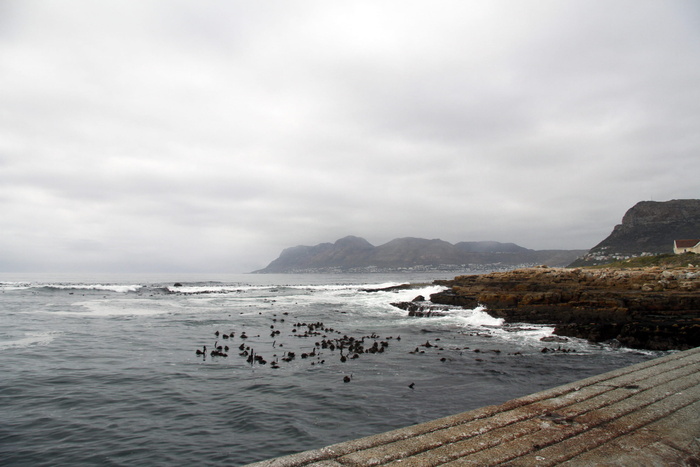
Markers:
point(328, 342)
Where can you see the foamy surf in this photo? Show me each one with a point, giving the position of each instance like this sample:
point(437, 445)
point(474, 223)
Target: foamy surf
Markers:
point(207, 289)
point(27, 340)
point(14, 286)
point(118, 307)
point(75, 288)
point(477, 317)
point(99, 287)
point(478, 321)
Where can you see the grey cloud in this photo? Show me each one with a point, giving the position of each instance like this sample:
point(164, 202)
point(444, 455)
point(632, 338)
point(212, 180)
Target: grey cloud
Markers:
point(210, 135)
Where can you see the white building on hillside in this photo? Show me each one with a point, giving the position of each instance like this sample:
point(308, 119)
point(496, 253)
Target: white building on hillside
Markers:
point(685, 246)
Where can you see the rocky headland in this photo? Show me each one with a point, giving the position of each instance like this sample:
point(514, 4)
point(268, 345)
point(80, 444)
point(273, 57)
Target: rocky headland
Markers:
point(653, 308)
point(647, 228)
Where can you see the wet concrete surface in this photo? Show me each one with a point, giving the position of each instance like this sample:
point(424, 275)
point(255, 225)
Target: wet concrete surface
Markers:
point(646, 414)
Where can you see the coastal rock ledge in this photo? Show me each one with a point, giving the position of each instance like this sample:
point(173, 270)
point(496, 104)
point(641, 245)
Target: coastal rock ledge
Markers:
point(646, 308)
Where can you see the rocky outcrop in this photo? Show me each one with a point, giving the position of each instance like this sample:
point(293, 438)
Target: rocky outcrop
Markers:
point(647, 228)
point(649, 308)
point(419, 307)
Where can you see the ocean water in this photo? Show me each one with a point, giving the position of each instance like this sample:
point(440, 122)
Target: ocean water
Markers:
point(105, 370)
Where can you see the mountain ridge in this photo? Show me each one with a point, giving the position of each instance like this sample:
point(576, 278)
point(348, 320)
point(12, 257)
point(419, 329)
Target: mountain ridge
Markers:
point(355, 254)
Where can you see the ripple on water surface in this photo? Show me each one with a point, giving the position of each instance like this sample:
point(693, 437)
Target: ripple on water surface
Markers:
point(109, 376)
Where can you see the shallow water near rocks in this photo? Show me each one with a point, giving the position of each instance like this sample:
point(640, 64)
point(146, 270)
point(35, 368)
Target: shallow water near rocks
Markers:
point(104, 370)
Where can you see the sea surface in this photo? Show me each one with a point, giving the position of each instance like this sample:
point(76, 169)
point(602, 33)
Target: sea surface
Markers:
point(104, 370)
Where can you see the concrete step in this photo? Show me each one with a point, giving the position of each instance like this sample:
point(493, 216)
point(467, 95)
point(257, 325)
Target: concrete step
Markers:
point(645, 414)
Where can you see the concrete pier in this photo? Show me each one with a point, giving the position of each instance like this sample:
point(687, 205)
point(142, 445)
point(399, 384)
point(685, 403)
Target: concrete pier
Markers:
point(643, 415)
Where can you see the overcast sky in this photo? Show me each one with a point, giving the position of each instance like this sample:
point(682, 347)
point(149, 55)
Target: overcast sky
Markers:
point(207, 136)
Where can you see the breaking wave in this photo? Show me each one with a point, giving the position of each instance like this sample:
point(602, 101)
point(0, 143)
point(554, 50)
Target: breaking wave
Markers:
point(9, 286)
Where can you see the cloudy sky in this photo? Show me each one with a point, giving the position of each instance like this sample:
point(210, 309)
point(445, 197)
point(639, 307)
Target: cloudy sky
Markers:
point(208, 135)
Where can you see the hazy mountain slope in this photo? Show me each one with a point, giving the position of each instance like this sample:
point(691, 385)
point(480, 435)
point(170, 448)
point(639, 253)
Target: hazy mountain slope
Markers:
point(649, 227)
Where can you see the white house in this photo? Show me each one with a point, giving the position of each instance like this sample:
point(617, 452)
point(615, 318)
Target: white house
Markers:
point(685, 246)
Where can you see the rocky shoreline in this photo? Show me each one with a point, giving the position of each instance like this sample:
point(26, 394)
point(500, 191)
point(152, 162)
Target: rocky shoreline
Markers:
point(647, 308)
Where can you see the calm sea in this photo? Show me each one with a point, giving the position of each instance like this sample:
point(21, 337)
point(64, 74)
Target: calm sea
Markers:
point(105, 370)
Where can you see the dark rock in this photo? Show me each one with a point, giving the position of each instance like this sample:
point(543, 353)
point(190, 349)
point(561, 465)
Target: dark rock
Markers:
point(649, 308)
point(554, 339)
point(452, 298)
point(420, 309)
point(393, 288)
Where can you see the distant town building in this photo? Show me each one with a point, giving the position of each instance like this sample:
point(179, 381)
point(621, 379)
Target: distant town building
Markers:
point(686, 246)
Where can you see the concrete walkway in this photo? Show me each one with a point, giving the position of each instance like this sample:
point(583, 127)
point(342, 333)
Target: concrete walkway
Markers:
point(643, 415)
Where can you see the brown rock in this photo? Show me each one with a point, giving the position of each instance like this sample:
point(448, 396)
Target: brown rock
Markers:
point(652, 308)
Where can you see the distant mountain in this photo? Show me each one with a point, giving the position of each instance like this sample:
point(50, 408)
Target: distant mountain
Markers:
point(490, 247)
point(355, 254)
point(349, 251)
point(648, 228)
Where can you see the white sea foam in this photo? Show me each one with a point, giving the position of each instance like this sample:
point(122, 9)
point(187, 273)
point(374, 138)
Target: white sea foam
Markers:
point(370, 303)
point(27, 340)
point(338, 287)
point(526, 333)
point(533, 331)
point(410, 294)
point(106, 288)
point(461, 318)
point(14, 285)
point(211, 289)
point(120, 307)
point(477, 317)
point(380, 302)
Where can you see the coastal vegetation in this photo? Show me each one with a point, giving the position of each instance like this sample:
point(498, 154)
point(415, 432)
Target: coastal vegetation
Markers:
point(662, 261)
